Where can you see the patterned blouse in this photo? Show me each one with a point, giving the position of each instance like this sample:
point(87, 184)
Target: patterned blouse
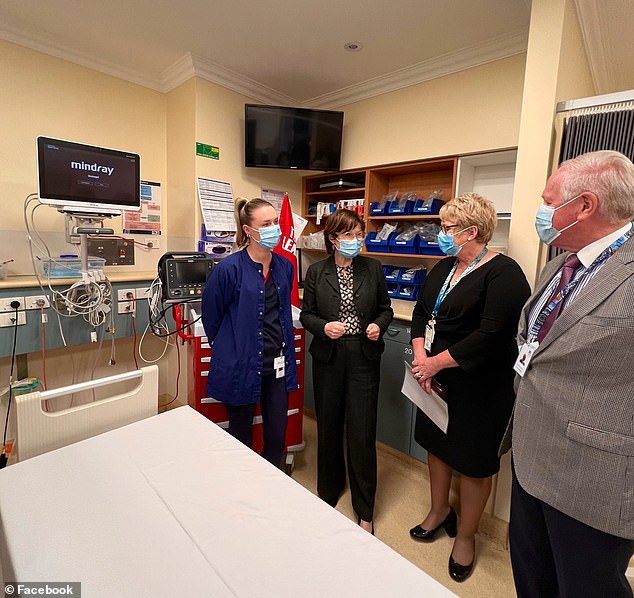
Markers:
point(348, 312)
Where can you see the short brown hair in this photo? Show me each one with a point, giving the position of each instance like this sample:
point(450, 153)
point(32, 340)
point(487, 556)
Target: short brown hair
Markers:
point(244, 215)
point(340, 221)
point(471, 209)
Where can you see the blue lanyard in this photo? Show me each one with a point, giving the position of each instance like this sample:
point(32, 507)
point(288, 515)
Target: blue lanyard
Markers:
point(559, 297)
point(446, 289)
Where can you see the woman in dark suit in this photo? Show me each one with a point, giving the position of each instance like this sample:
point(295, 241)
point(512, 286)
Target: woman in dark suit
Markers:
point(347, 309)
point(463, 335)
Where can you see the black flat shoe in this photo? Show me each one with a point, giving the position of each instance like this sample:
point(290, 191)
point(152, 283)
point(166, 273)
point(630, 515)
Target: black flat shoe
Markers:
point(450, 525)
point(372, 522)
point(459, 572)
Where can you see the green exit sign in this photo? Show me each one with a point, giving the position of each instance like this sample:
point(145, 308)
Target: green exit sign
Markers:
point(207, 151)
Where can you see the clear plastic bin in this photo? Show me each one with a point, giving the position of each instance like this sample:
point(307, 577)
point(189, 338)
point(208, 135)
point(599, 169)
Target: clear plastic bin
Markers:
point(69, 266)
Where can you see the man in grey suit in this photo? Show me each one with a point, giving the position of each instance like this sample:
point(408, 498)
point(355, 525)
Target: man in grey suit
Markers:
point(572, 505)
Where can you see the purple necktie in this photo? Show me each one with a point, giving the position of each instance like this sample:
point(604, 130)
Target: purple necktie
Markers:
point(567, 272)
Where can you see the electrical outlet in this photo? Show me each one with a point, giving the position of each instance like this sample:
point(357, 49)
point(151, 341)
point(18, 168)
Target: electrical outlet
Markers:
point(142, 293)
point(5, 303)
point(126, 307)
point(122, 294)
point(34, 302)
point(8, 319)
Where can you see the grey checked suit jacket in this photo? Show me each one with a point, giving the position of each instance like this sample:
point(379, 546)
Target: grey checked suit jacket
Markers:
point(573, 422)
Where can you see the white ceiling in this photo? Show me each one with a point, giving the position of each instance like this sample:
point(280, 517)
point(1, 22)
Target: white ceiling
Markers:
point(291, 51)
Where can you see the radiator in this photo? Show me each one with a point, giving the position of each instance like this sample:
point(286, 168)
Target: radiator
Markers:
point(40, 431)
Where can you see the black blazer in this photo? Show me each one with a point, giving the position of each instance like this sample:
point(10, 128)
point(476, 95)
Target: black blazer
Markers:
point(322, 300)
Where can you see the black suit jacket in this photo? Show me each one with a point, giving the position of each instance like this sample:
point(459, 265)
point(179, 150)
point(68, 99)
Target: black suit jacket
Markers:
point(322, 301)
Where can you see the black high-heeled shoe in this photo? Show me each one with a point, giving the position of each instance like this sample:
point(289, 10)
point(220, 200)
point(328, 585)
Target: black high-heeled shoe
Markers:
point(459, 572)
point(449, 524)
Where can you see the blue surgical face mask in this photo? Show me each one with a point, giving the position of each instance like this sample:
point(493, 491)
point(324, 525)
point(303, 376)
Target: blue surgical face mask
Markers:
point(447, 244)
point(269, 236)
point(350, 249)
point(544, 222)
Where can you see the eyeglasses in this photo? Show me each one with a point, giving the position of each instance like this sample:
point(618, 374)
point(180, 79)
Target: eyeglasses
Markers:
point(351, 236)
point(447, 229)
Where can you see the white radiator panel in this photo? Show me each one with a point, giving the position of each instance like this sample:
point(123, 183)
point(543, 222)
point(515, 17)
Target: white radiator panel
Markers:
point(40, 431)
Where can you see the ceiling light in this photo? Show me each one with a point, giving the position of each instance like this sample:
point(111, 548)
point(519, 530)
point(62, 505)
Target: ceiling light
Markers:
point(353, 46)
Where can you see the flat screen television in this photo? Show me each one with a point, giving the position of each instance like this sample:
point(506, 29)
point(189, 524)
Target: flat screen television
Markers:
point(281, 137)
point(84, 178)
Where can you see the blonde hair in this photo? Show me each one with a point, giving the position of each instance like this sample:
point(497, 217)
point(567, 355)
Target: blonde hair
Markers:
point(471, 209)
point(244, 215)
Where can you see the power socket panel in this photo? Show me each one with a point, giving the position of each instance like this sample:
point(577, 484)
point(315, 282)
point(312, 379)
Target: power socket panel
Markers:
point(122, 294)
point(5, 303)
point(33, 302)
point(8, 319)
point(126, 307)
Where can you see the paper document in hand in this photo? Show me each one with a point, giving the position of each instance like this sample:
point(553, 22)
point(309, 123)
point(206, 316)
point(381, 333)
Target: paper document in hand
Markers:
point(432, 405)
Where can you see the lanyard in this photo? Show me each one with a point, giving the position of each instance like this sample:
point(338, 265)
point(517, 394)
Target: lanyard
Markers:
point(557, 299)
point(446, 289)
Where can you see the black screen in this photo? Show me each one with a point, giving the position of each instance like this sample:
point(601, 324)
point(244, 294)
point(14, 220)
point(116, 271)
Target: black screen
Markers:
point(80, 174)
point(279, 137)
point(191, 272)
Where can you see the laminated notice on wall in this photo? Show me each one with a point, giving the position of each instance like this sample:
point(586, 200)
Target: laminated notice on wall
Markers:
point(147, 220)
point(216, 204)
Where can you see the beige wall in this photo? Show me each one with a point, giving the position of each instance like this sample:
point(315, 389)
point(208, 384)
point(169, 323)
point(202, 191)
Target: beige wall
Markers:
point(42, 95)
point(556, 69)
point(220, 122)
point(470, 111)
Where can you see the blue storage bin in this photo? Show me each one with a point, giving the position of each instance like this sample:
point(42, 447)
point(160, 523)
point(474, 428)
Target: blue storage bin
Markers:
point(427, 206)
point(410, 276)
point(408, 291)
point(374, 244)
point(395, 209)
point(379, 209)
point(392, 289)
point(392, 273)
point(427, 248)
point(398, 246)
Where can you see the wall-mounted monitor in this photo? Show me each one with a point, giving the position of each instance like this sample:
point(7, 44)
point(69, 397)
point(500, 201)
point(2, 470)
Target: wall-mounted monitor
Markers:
point(84, 178)
point(281, 137)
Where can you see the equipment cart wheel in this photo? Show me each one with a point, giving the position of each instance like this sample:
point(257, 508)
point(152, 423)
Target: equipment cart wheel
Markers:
point(289, 463)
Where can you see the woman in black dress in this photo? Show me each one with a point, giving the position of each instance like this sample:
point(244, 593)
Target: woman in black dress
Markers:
point(463, 335)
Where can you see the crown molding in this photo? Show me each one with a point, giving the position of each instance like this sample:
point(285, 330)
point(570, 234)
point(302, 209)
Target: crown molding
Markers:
point(191, 65)
point(590, 23)
point(452, 62)
point(80, 58)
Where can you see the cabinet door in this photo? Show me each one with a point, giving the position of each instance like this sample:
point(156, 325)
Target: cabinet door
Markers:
point(309, 397)
point(395, 410)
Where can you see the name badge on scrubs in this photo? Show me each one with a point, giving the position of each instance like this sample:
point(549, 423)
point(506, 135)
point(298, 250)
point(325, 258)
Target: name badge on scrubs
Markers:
point(524, 357)
point(278, 366)
point(430, 332)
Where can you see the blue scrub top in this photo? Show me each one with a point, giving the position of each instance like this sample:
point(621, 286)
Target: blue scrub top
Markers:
point(233, 309)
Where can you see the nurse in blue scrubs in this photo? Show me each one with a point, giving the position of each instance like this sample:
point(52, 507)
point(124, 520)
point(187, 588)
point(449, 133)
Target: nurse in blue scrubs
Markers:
point(246, 313)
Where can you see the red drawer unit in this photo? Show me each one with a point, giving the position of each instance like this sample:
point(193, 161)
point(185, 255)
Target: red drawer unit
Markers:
point(197, 382)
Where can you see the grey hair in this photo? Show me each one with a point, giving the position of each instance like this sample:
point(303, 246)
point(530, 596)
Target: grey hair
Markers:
point(607, 174)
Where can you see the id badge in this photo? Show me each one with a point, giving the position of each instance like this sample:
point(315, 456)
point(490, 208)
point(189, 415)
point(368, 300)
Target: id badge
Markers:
point(278, 366)
point(430, 331)
point(524, 357)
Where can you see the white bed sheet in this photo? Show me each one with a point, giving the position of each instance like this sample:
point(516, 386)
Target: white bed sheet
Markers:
point(174, 506)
